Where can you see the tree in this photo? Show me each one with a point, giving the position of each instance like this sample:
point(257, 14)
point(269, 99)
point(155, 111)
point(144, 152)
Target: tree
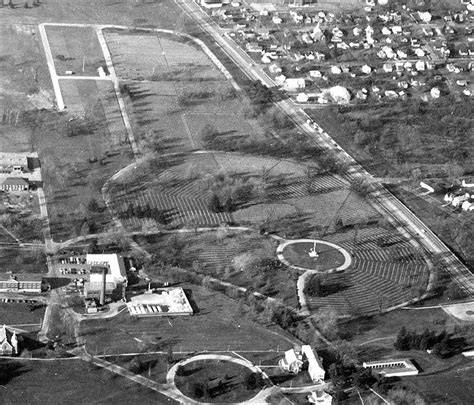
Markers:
point(209, 134)
point(404, 396)
point(93, 205)
point(402, 341)
point(453, 291)
point(364, 378)
point(228, 204)
point(215, 204)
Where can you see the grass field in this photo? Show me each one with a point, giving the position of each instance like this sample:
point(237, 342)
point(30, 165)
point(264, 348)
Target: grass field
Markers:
point(217, 326)
point(12, 313)
point(328, 257)
point(173, 90)
point(75, 49)
point(79, 156)
point(223, 381)
point(69, 381)
point(19, 260)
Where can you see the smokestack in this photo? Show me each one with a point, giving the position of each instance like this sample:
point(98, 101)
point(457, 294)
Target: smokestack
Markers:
point(102, 290)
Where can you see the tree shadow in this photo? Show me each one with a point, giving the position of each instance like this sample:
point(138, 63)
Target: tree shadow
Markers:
point(10, 370)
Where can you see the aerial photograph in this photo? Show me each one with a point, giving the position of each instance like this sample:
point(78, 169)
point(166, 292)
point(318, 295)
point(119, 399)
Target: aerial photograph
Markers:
point(237, 202)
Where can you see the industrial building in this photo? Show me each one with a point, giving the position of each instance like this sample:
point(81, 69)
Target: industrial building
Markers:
point(108, 277)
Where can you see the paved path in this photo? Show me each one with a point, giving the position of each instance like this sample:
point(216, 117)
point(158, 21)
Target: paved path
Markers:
point(51, 67)
point(164, 389)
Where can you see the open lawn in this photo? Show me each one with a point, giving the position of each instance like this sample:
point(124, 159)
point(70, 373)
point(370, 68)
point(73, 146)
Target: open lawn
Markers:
point(20, 260)
point(16, 314)
point(79, 155)
point(173, 90)
point(451, 387)
point(217, 325)
point(69, 381)
point(75, 49)
point(216, 381)
point(328, 257)
point(243, 259)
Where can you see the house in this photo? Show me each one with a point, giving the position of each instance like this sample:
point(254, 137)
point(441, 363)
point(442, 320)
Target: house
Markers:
point(467, 206)
point(21, 282)
point(292, 362)
point(211, 3)
point(435, 93)
point(420, 65)
point(9, 342)
point(14, 184)
point(294, 84)
point(302, 98)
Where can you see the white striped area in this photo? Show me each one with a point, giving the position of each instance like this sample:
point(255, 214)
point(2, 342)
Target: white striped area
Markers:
point(181, 210)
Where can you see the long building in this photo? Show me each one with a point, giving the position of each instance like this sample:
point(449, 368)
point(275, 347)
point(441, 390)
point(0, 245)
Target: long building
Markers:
point(32, 283)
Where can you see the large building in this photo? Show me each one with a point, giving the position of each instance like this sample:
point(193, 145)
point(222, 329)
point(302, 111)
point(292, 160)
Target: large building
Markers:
point(115, 276)
point(14, 184)
point(32, 283)
point(161, 302)
point(392, 368)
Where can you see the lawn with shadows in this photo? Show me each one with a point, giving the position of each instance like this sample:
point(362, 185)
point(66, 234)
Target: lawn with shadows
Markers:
point(217, 381)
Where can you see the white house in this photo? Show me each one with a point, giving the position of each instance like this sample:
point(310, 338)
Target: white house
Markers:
point(467, 206)
point(292, 362)
point(294, 84)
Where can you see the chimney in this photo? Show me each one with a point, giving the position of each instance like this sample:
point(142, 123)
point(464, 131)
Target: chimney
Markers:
point(102, 290)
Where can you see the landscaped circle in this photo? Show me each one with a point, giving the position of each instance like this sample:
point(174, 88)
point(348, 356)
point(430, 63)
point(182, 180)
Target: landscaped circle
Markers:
point(217, 381)
point(316, 255)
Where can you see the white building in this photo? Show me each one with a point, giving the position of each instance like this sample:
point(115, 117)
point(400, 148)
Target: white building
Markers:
point(160, 302)
point(315, 367)
point(292, 362)
point(392, 368)
point(114, 264)
point(294, 84)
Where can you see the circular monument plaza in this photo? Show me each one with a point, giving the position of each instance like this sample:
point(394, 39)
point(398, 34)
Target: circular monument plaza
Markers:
point(313, 255)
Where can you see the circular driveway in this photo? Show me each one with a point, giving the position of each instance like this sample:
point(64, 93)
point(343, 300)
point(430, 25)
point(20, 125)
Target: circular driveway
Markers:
point(170, 377)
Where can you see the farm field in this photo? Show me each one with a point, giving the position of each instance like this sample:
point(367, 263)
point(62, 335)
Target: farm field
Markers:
point(69, 381)
point(218, 325)
point(75, 49)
